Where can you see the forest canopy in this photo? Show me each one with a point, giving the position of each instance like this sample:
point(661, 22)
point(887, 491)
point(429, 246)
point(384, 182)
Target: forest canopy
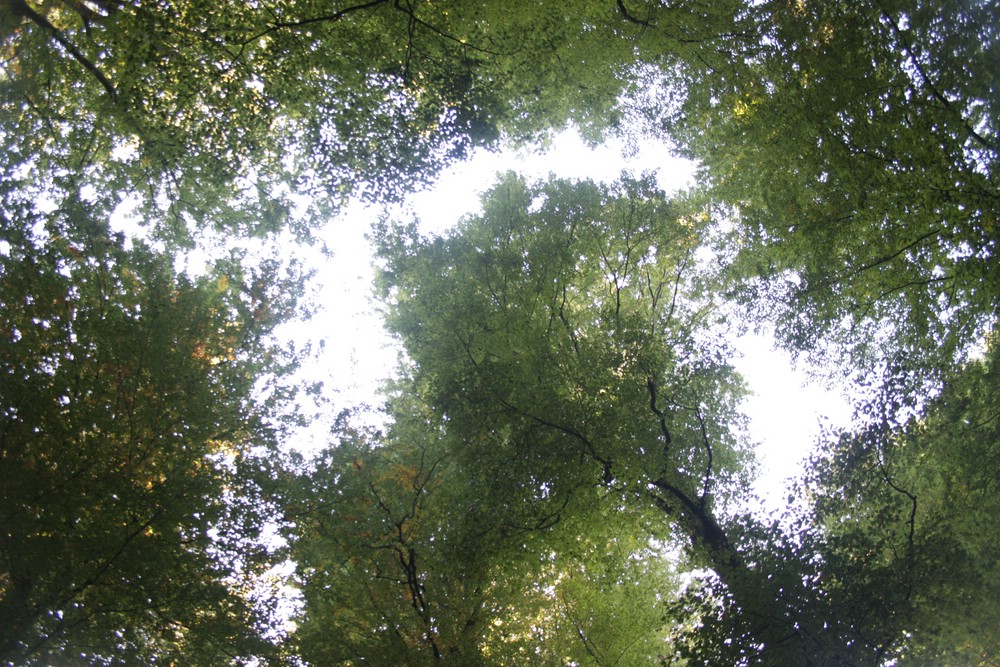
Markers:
point(560, 473)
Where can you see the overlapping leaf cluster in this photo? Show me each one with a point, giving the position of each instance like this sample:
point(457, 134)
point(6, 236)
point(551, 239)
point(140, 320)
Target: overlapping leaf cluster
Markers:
point(128, 417)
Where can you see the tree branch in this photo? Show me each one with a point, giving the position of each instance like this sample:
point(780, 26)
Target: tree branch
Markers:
point(326, 18)
point(21, 8)
point(651, 386)
point(888, 258)
point(608, 478)
point(707, 481)
point(409, 11)
point(588, 644)
point(645, 23)
point(703, 528)
point(912, 520)
point(931, 87)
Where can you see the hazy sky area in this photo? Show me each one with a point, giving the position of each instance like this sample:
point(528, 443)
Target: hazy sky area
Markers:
point(357, 354)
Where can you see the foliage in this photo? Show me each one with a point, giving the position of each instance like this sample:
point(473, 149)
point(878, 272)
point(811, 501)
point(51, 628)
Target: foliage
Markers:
point(216, 114)
point(369, 529)
point(561, 339)
point(564, 437)
point(536, 332)
point(894, 559)
point(129, 415)
point(544, 329)
point(855, 145)
point(909, 510)
point(399, 562)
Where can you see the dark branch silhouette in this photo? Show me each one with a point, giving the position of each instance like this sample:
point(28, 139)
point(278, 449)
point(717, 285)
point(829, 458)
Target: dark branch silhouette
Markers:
point(21, 8)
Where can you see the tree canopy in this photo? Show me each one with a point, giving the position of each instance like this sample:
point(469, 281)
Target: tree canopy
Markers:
point(215, 113)
point(856, 146)
point(914, 504)
point(560, 469)
point(130, 416)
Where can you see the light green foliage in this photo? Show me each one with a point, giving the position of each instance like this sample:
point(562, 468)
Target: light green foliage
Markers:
point(126, 422)
point(498, 517)
point(856, 148)
point(602, 593)
point(214, 113)
point(399, 561)
point(544, 329)
point(556, 339)
point(560, 337)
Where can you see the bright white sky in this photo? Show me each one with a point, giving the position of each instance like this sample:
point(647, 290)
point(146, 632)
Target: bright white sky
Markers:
point(785, 412)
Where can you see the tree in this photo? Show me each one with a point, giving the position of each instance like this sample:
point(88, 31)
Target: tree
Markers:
point(564, 387)
point(855, 147)
point(214, 114)
point(368, 526)
point(561, 341)
point(909, 507)
point(562, 338)
point(400, 562)
point(131, 415)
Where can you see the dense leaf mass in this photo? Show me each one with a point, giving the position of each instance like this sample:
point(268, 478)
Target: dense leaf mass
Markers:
point(857, 149)
point(127, 418)
point(915, 505)
point(215, 113)
point(560, 470)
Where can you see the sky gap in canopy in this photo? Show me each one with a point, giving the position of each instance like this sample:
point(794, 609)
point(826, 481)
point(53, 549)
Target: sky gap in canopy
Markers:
point(787, 410)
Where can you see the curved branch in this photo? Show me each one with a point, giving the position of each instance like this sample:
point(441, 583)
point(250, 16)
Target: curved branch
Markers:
point(326, 18)
point(544, 522)
point(707, 481)
point(702, 527)
point(21, 8)
point(891, 256)
point(573, 433)
point(588, 643)
point(931, 87)
point(409, 11)
point(911, 522)
point(645, 23)
point(343, 13)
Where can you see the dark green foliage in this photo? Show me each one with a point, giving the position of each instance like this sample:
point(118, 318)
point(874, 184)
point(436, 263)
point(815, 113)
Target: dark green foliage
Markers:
point(910, 511)
point(127, 420)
